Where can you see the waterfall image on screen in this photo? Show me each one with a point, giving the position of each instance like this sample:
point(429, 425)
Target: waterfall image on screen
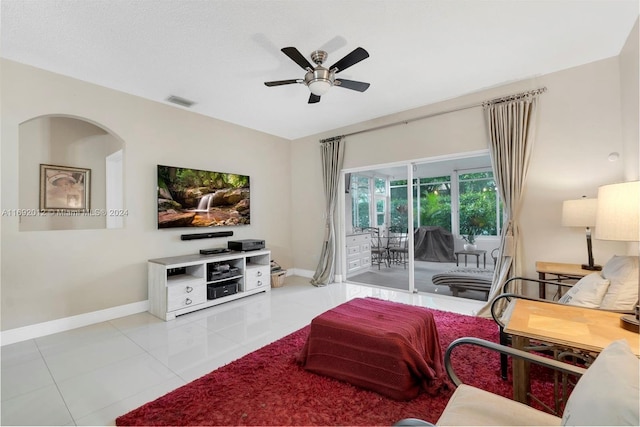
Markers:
point(197, 198)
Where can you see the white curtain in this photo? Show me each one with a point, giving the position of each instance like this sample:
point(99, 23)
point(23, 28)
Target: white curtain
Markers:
point(332, 160)
point(511, 124)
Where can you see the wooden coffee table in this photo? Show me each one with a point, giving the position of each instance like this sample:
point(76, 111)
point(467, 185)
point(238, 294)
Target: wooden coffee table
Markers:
point(568, 326)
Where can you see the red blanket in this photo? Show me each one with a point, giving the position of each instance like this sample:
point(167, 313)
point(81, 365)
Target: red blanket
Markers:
point(387, 347)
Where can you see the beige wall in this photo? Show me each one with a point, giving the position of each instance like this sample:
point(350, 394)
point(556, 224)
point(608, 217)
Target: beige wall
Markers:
point(629, 88)
point(579, 124)
point(48, 275)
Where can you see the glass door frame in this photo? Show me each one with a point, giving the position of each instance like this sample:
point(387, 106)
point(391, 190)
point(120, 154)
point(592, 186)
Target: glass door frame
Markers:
point(341, 255)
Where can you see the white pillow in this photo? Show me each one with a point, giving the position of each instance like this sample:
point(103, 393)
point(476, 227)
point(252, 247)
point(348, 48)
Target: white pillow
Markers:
point(608, 393)
point(588, 292)
point(622, 272)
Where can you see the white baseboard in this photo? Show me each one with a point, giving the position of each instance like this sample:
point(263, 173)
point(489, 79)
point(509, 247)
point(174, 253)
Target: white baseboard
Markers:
point(24, 333)
point(309, 274)
point(300, 272)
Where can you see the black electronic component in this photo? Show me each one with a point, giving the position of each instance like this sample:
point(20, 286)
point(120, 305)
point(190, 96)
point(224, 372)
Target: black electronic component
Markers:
point(206, 235)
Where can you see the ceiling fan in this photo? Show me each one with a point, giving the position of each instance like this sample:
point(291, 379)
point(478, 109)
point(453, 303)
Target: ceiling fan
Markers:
point(320, 79)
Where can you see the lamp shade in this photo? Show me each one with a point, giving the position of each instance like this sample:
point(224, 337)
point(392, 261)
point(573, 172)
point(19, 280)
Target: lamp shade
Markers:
point(579, 212)
point(618, 212)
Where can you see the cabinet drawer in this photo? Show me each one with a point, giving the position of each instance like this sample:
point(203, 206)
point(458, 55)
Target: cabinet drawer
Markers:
point(355, 264)
point(185, 294)
point(353, 250)
point(257, 277)
point(365, 247)
point(358, 238)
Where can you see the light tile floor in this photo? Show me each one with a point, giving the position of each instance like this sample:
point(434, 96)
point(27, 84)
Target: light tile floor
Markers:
point(91, 375)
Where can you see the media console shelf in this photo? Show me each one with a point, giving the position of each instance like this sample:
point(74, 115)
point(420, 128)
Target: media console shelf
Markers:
point(182, 284)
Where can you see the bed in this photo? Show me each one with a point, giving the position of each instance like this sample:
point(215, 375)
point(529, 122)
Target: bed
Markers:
point(383, 346)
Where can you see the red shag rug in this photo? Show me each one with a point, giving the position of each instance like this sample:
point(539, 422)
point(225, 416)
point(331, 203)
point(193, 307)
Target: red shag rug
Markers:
point(267, 387)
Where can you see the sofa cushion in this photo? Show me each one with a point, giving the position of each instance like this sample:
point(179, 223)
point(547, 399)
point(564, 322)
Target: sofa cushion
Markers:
point(622, 272)
point(607, 394)
point(470, 406)
point(587, 292)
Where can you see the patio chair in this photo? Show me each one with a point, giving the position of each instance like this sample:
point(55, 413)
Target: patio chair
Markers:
point(398, 246)
point(379, 252)
point(616, 371)
point(461, 279)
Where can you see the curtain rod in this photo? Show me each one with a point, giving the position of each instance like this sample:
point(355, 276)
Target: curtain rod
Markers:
point(428, 116)
point(515, 96)
point(331, 139)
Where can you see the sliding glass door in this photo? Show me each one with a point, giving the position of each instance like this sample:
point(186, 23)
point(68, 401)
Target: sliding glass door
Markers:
point(413, 218)
point(374, 215)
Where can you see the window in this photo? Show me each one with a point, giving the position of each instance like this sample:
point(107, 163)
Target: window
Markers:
point(380, 186)
point(480, 207)
point(380, 211)
point(361, 199)
point(368, 201)
point(475, 206)
point(380, 191)
point(434, 201)
point(431, 202)
point(398, 204)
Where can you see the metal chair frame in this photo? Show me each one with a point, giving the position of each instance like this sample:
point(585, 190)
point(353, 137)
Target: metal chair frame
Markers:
point(379, 253)
point(398, 246)
point(560, 368)
point(562, 353)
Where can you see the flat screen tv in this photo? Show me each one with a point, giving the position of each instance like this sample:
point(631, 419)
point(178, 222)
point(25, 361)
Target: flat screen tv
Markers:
point(197, 198)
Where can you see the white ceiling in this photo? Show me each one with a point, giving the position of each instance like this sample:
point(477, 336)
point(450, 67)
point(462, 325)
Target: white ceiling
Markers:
point(218, 53)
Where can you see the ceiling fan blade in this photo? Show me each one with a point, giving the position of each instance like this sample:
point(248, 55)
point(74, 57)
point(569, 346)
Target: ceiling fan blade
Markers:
point(297, 57)
point(353, 58)
point(313, 99)
point(281, 82)
point(353, 85)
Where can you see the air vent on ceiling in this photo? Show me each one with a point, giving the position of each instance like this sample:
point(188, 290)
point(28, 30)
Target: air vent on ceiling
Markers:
point(180, 101)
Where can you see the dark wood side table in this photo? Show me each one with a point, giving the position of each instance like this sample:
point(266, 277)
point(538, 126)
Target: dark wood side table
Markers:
point(477, 254)
point(561, 272)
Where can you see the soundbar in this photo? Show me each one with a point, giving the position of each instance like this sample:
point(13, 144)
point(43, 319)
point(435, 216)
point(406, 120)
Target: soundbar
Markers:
point(206, 235)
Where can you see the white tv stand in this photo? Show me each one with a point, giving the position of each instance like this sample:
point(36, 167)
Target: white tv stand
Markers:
point(178, 285)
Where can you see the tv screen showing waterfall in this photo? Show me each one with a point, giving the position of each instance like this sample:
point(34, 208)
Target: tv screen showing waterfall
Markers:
point(197, 198)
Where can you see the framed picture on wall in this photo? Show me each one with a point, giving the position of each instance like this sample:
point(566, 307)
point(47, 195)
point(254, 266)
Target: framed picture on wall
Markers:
point(64, 188)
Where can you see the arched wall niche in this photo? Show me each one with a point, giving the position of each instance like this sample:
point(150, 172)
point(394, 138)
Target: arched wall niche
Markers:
point(71, 142)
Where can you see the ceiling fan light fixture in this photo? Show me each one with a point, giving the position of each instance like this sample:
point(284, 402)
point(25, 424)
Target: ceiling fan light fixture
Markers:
point(319, 87)
point(319, 81)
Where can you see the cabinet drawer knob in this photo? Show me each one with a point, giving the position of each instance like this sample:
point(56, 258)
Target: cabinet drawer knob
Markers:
point(259, 273)
point(189, 289)
point(259, 282)
point(188, 301)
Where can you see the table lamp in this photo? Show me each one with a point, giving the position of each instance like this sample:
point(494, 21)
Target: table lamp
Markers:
point(582, 213)
point(618, 218)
